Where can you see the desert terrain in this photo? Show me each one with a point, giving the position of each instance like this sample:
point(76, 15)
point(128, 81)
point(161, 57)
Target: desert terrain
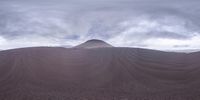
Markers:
point(96, 70)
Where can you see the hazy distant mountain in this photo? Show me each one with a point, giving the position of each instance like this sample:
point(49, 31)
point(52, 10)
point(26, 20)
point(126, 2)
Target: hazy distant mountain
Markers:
point(94, 43)
point(186, 50)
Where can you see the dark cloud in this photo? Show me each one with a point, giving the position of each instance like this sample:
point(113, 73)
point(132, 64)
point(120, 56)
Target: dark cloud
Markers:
point(167, 35)
point(178, 46)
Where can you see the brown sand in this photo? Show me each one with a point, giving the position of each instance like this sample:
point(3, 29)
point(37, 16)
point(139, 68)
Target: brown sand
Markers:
point(44, 73)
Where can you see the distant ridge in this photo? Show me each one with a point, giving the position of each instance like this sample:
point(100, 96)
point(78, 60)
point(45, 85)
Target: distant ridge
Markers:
point(94, 43)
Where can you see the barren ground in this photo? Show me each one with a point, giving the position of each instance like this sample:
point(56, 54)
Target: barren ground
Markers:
point(43, 73)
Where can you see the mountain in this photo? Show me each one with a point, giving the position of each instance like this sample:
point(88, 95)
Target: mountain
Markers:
point(55, 73)
point(185, 50)
point(94, 43)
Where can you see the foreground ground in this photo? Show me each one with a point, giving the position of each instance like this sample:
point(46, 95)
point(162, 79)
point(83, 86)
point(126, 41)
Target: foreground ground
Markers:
point(110, 73)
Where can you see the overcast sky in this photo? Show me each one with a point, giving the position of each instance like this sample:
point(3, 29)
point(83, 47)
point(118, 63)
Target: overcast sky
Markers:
point(154, 24)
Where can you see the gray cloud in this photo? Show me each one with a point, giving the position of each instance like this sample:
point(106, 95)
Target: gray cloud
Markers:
point(120, 22)
point(178, 46)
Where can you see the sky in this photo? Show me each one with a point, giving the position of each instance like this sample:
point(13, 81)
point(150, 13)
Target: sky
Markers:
point(152, 24)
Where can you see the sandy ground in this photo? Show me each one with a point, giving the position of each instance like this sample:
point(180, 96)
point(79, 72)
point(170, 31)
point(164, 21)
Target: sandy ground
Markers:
point(44, 73)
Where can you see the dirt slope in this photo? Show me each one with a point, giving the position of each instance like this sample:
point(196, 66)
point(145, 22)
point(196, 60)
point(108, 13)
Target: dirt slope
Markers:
point(98, 74)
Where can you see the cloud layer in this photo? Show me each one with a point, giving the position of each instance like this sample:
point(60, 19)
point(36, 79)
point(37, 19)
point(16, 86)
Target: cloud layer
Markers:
point(151, 24)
